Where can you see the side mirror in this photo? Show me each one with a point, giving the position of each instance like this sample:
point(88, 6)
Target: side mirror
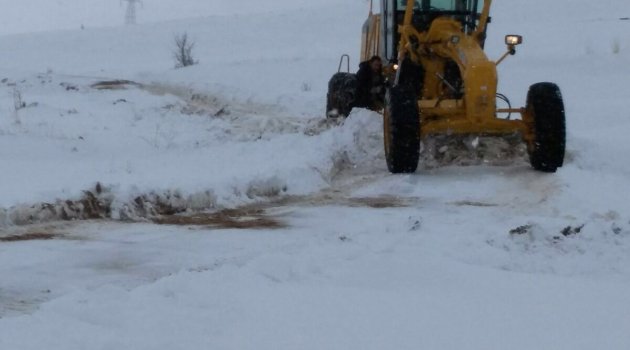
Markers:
point(513, 40)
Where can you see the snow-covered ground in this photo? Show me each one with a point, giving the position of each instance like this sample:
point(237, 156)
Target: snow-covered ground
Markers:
point(339, 253)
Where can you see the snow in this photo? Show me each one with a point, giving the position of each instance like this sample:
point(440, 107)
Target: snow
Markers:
point(479, 257)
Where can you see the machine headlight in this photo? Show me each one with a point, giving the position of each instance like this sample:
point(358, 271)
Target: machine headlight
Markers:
point(513, 40)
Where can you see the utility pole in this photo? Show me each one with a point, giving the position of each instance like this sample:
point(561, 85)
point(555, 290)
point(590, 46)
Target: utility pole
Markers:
point(130, 14)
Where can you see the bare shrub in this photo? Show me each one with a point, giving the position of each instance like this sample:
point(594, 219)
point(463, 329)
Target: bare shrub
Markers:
point(306, 87)
point(183, 51)
point(18, 104)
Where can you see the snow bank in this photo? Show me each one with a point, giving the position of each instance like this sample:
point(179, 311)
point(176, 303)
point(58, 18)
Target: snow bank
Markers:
point(161, 148)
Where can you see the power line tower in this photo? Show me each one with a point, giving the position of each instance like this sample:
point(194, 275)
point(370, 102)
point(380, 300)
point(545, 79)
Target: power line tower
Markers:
point(130, 14)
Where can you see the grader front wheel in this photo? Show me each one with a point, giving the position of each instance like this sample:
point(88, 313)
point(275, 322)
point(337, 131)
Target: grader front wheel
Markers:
point(401, 130)
point(546, 117)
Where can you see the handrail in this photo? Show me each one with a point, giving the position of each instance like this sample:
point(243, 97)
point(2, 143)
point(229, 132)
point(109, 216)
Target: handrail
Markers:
point(341, 63)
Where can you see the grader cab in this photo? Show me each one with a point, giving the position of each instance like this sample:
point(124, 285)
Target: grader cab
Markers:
point(439, 81)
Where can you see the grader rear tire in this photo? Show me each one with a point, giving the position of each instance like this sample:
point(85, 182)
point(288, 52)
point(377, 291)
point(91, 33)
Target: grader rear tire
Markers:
point(342, 89)
point(545, 108)
point(401, 130)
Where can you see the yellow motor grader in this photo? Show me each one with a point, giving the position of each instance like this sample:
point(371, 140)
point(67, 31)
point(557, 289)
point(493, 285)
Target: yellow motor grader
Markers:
point(439, 81)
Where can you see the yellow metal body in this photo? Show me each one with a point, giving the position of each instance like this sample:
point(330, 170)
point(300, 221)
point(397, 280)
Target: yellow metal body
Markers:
point(446, 41)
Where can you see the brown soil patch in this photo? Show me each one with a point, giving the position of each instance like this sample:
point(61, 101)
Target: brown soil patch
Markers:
point(241, 218)
point(173, 208)
point(35, 236)
point(113, 85)
point(255, 216)
point(378, 202)
point(332, 199)
point(474, 204)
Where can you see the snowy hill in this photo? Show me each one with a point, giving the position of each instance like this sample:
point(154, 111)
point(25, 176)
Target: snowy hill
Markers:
point(333, 252)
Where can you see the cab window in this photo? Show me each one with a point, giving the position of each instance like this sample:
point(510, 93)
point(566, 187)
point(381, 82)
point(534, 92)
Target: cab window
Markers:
point(443, 5)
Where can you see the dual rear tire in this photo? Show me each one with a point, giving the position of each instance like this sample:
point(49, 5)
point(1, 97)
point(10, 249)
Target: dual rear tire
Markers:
point(342, 89)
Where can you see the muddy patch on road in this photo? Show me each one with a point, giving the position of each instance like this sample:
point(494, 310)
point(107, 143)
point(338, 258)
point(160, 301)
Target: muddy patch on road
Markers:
point(264, 215)
point(16, 303)
point(240, 218)
point(32, 236)
point(118, 84)
point(474, 204)
point(379, 202)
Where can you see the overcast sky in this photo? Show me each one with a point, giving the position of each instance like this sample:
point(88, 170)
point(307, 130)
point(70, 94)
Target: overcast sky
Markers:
point(22, 16)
